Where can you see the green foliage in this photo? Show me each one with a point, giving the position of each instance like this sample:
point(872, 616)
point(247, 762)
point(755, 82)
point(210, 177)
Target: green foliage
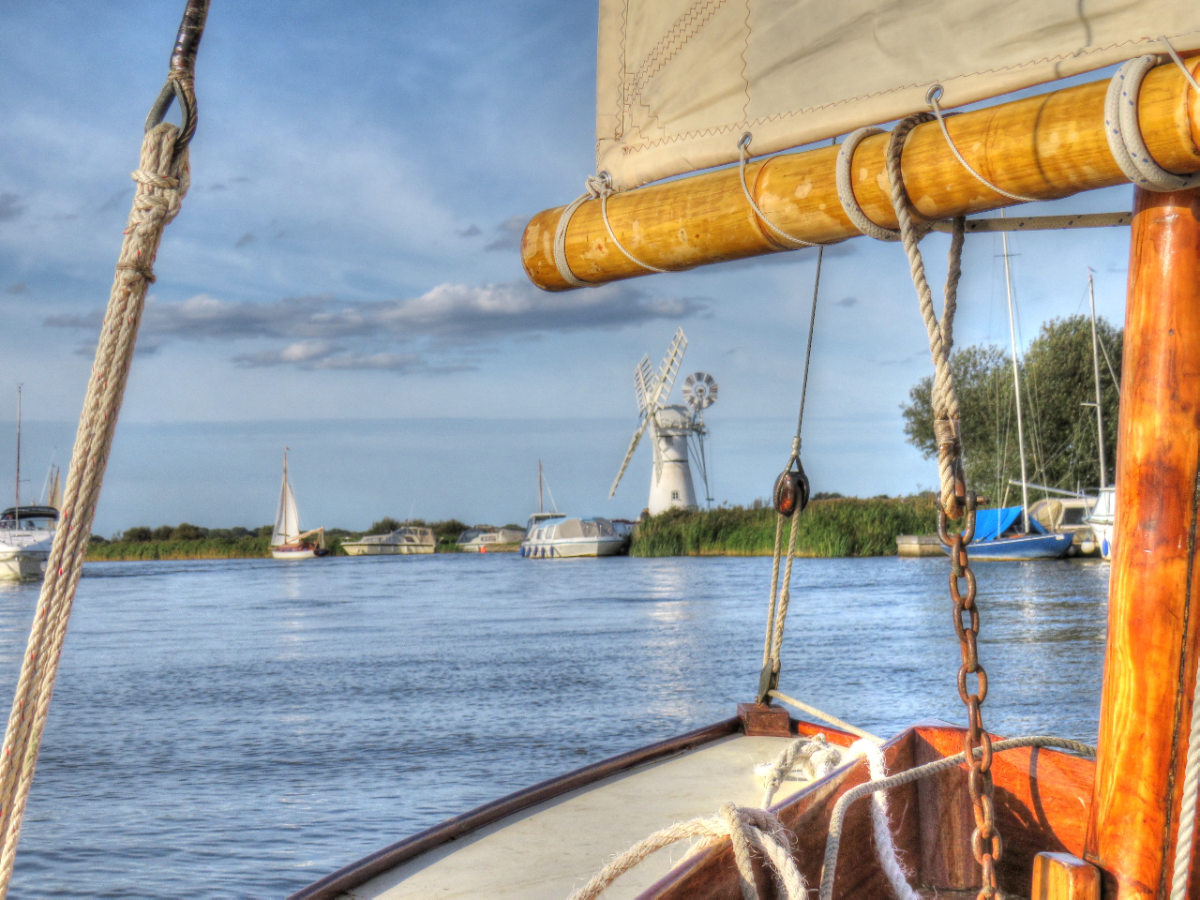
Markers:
point(198, 548)
point(830, 527)
point(1057, 381)
point(386, 525)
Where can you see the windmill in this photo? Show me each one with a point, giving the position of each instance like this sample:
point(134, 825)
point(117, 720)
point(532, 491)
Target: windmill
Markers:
point(672, 428)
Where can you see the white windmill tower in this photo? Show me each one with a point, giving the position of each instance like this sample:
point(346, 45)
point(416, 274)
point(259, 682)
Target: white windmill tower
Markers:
point(672, 428)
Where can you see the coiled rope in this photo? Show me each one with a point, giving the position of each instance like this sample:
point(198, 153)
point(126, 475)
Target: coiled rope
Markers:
point(162, 181)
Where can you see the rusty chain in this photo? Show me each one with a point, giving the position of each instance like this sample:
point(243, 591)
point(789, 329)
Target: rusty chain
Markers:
point(986, 844)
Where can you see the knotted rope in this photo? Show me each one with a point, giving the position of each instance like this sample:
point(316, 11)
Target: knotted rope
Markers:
point(596, 187)
point(748, 829)
point(162, 182)
point(944, 397)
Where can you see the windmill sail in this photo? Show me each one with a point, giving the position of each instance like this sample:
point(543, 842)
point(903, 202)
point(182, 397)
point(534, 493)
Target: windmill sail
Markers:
point(680, 81)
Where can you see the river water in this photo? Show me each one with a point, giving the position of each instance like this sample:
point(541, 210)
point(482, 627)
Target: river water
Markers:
point(241, 728)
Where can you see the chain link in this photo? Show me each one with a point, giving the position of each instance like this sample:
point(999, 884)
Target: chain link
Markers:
point(986, 844)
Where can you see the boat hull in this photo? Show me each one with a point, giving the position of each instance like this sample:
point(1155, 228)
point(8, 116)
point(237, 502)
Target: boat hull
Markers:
point(1042, 802)
point(385, 549)
point(1026, 546)
point(297, 552)
point(22, 564)
point(574, 548)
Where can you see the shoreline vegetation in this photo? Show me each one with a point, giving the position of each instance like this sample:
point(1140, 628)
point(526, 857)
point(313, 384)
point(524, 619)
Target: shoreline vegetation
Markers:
point(831, 526)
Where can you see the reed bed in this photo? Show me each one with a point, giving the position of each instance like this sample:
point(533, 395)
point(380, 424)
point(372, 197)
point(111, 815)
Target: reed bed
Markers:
point(843, 526)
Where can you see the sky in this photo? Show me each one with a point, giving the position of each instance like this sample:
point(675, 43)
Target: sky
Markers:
point(344, 279)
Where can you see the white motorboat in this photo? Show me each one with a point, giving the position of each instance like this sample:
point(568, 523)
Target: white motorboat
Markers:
point(403, 541)
point(26, 533)
point(556, 536)
point(1103, 520)
point(481, 540)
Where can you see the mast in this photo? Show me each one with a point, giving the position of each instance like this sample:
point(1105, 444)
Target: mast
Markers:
point(17, 486)
point(1154, 593)
point(1012, 337)
point(1096, 374)
point(540, 507)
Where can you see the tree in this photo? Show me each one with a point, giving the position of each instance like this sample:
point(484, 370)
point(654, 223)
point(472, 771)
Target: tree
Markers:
point(1058, 410)
point(386, 525)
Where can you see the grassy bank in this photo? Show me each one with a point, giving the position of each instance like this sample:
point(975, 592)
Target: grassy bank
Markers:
point(204, 548)
point(842, 526)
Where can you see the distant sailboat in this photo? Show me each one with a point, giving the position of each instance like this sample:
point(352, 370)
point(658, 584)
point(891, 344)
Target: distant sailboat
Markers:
point(287, 540)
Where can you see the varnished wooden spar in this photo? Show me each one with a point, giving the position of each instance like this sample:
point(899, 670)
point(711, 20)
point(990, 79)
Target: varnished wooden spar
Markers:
point(1154, 595)
point(1046, 147)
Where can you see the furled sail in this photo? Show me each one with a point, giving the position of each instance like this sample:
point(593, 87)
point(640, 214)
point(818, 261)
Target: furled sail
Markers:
point(680, 81)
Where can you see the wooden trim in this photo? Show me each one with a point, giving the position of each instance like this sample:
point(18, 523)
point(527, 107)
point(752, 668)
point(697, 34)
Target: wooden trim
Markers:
point(1046, 147)
point(368, 867)
point(1154, 592)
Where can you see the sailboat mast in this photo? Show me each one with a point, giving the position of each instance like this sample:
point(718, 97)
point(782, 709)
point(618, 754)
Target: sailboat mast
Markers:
point(540, 507)
point(1012, 336)
point(1096, 374)
point(17, 486)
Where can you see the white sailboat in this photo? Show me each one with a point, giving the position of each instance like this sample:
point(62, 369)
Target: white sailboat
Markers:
point(287, 540)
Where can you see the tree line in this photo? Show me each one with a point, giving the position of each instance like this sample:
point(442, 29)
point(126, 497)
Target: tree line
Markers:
point(1058, 410)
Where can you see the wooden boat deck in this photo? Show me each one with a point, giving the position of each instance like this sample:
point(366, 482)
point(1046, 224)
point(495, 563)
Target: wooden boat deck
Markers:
point(512, 858)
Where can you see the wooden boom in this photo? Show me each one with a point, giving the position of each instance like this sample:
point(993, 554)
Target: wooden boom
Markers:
point(1045, 147)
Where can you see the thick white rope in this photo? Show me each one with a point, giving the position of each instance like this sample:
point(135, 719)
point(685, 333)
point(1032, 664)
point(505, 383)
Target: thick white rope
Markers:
point(844, 178)
point(755, 828)
point(944, 395)
point(162, 181)
point(833, 843)
point(824, 716)
point(813, 757)
point(1185, 836)
point(1125, 136)
point(885, 846)
point(743, 153)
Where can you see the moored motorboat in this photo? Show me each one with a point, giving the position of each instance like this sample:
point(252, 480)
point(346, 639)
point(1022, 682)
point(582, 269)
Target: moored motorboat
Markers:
point(1021, 818)
point(1103, 520)
point(484, 540)
point(557, 536)
point(26, 534)
point(403, 541)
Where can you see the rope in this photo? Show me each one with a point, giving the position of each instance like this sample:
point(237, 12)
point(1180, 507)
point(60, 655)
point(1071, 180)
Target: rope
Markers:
point(931, 97)
point(824, 716)
point(743, 152)
point(815, 756)
point(746, 828)
point(833, 843)
point(944, 396)
point(598, 186)
point(162, 183)
point(844, 178)
point(1185, 837)
point(885, 846)
point(777, 609)
point(1125, 137)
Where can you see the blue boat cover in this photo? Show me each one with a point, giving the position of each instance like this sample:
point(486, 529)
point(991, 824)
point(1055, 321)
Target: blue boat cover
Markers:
point(991, 523)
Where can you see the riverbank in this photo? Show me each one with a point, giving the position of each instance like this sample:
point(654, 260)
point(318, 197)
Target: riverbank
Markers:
point(833, 527)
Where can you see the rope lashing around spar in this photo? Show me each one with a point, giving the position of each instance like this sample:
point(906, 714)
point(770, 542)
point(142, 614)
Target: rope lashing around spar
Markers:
point(1125, 136)
point(597, 187)
point(162, 178)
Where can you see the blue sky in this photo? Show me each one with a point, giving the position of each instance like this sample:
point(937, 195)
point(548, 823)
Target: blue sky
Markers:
point(344, 278)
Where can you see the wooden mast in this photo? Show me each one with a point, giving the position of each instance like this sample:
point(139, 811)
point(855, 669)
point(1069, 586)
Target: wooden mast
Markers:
point(1046, 147)
point(1154, 595)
